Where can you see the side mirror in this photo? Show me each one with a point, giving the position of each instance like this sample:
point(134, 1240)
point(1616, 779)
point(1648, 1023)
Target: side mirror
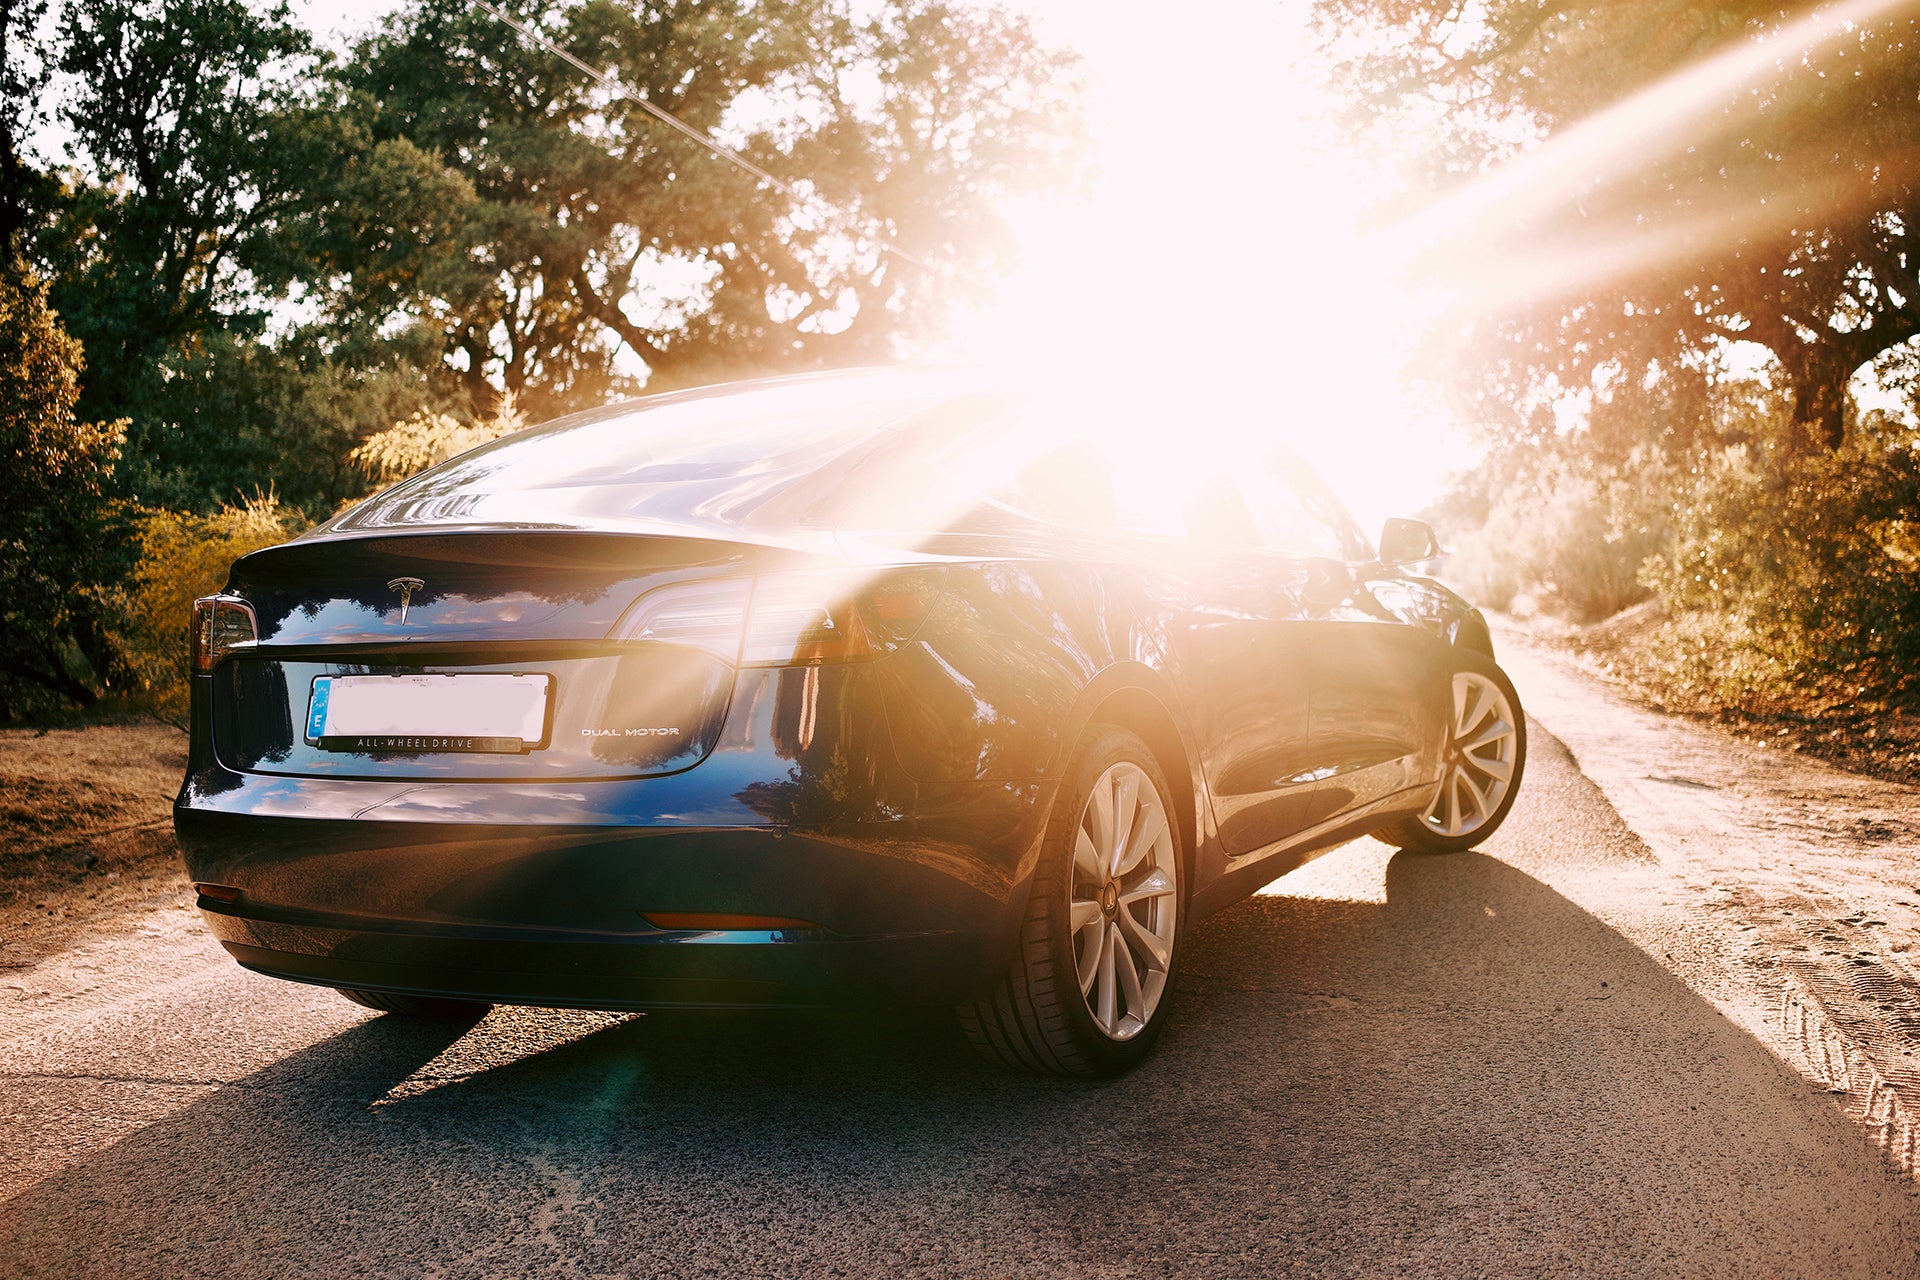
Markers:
point(1407, 542)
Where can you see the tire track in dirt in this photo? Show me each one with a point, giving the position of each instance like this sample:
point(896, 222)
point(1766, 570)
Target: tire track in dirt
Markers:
point(1818, 870)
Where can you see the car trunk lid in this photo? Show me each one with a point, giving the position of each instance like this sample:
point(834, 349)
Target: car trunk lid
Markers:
point(440, 610)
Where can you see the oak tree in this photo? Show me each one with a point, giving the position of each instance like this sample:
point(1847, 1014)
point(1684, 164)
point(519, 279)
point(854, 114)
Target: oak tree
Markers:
point(569, 223)
point(1669, 177)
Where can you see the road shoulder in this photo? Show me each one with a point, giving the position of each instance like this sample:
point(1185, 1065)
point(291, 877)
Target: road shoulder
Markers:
point(1815, 868)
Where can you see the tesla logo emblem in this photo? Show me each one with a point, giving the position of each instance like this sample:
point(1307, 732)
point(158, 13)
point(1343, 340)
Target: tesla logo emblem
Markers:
point(406, 587)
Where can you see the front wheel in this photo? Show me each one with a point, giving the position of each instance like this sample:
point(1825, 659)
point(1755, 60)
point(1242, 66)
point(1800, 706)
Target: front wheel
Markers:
point(1091, 985)
point(1481, 764)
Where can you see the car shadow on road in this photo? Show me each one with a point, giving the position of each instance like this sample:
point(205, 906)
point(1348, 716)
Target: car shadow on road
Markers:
point(1475, 1076)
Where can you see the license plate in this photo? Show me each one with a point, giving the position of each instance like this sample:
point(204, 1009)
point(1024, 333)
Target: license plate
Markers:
point(412, 714)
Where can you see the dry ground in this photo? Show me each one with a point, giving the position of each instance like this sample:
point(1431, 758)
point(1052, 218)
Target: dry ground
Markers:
point(85, 829)
point(1669, 665)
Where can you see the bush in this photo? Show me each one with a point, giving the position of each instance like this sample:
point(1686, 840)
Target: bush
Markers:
point(58, 529)
point(1816, 559)
point(181, 557)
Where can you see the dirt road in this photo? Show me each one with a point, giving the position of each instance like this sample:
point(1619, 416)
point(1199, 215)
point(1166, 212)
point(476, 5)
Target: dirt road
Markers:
point(1563, 1056)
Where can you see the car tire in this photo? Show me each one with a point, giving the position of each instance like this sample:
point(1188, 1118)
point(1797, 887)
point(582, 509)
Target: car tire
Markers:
point(433, 1008)
point(1481, 765)
point(1091, 984)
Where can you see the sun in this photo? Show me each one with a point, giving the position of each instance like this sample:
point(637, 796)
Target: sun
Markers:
point(1223, 249)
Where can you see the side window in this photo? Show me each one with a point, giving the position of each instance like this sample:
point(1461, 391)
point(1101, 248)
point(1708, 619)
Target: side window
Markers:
point(1283, 508)
point(1071, 486)
point(1215, 514)
point(1078, 487)
point(1299, 515)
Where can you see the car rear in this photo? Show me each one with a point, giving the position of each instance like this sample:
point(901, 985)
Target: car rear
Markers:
point(619, 742)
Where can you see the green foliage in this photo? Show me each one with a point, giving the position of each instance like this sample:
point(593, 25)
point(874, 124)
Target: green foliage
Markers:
point(566, 224)
point(240, 415)
point(1816, 560)
point(181, 557)
point(57, 526)
point(23, 80)
point(270, 254)
point(196, 144)
point(185, 114)
point(390, 456)
point(1689, 184)
point(1780, 575)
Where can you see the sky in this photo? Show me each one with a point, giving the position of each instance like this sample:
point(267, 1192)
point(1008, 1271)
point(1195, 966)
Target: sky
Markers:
point(1218, 246)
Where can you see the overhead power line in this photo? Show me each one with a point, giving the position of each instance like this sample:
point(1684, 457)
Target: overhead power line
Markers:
point(611, 83)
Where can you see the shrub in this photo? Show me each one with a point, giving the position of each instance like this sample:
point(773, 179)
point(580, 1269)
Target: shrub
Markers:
point(58, 529)
point(420, 441)
point(182, 556)
point(1816, 558)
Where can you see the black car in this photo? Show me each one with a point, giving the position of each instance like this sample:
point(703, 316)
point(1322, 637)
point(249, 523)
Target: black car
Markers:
point(889, 685)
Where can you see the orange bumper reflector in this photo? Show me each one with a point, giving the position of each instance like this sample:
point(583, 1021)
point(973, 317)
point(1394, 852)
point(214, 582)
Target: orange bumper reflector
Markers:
point(218, 892)
point(704, 920)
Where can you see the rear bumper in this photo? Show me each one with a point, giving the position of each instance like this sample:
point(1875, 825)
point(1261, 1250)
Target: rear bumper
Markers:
point(920, 908)
point(732, 969)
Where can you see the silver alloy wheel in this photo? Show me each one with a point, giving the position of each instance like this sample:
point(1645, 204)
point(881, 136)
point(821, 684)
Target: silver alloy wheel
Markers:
point(1481, 753)
point(1123, 900)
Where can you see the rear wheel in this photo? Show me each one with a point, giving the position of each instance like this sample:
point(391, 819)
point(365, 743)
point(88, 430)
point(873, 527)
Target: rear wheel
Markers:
point(1091, 985)
point(435, 1008)
point(1485, 754)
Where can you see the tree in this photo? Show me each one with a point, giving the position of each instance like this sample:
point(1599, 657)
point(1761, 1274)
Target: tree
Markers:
point(23, 79)
point(57, 525)
point(197, 144)
point(270, 257)
point(586, 226)
point(177, 111)
point(1689, 174)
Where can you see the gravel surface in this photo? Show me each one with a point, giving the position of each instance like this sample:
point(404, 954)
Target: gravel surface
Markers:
point(1556, 1057)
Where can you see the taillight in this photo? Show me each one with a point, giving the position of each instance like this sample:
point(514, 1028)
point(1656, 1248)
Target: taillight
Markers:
point(220, 625)
point(787, 619)
point(703, 615)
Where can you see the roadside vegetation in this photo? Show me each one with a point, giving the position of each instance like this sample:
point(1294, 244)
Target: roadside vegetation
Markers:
point(1779, 593)
point(1676, 251)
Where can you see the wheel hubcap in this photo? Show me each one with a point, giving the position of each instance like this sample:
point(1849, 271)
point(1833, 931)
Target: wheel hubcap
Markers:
point(1124, 900)
point(1477, 766)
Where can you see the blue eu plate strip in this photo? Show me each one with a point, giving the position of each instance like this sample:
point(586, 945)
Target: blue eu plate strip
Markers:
point(317, 708)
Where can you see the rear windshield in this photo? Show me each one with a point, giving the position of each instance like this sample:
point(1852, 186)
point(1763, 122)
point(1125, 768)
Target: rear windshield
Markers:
point(1088, 462)
point(707, 458)
point(907, 451)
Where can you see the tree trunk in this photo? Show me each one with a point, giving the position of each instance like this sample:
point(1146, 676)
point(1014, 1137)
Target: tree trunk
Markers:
point(1819, 375)
point(1819, 413)
point(55, 678)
